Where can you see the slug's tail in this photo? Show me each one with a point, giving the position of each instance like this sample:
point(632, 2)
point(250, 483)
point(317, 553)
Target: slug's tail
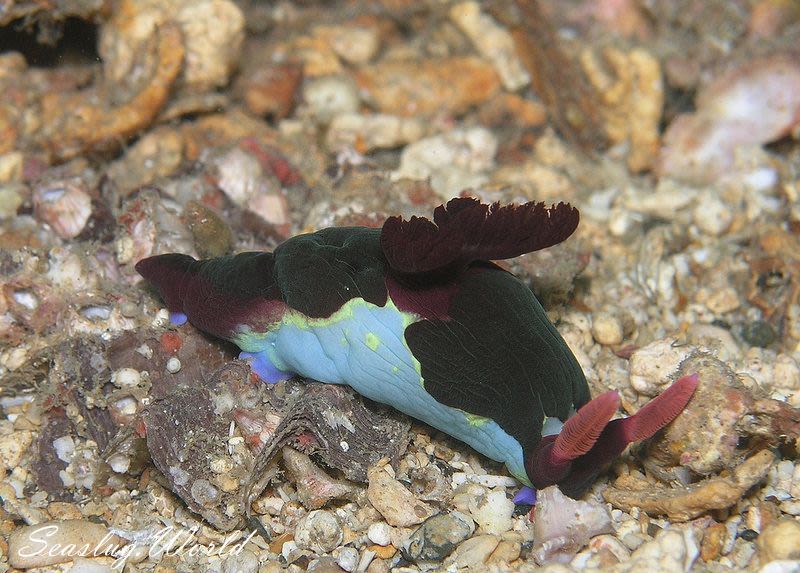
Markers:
point(170, 274)
point(220, 296)
point(466, 230)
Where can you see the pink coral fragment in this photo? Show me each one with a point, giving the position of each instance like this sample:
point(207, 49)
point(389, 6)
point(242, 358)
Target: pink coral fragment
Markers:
point(749, 105)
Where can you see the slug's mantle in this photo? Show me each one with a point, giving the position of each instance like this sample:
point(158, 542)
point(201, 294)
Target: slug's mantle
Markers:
point(414, 315)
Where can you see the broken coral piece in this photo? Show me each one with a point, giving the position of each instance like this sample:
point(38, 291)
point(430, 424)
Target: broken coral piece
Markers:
point(631, 99)
point(752, 103)
point(212, 33)
point(563, 526)
point(687, 502)
point(74, 122)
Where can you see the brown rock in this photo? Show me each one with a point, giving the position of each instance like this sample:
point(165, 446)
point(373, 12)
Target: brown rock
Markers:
point(395, 503)
point(507, 550)
point(272, 90)
point(55, 542)
point(713, 540)
point(474, 552)
point(449, 85)
point(685, 503)
point(780, 541)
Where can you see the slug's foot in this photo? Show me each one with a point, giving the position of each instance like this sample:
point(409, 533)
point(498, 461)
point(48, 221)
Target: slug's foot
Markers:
point(262, 366)
point(177, 318)
point(525, 496)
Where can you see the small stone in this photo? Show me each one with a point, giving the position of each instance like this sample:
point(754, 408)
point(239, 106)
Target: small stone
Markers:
point(83, 565)
point(324, 565)
point(779, 541)
point(330, 96)
point(758, 333)
point(437, 537)
point(474, 552)
point(652, 366)
point(173, 365)
point(712, 216)
point(492, 511)
point(723, 300)
point(356, 45)
point(395, 503)
point(789, 566)
point(12, 447)
point(271, 90)
point(713, 542)
point(11, 199)
point(244, 562)
point(212, 30)
point(507, 550)
point(413, 88)
point(242, 177)
point(64, 205)
point(158, 153)
point(670, 552)
point(493, 42)
point(126, 378)
point(786, 373)
point(368, 132)
point(606, 329)
point(563, 526)
point(43, 544)
point(212, 236)
point(454, 161)
point(11, 169)
point(379, 533)
point(319, 531)
point(347, 558)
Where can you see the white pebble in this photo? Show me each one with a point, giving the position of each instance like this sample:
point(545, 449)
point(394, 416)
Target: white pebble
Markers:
point(712, 216)
point(492, 512)
point(723, 300)
point(119, 463)
point(64, 447)
point(786, 373)
point(126, 406)
point(27, 299)
point(173, 365)
point(126, 377)
point(372, 131)
point(380, 533)
point(83, 565)
point(347, 558)
point(607, 329)
point(652, 366)
point(244, 562)
point(318, 531)
point(330, 96)
point(781, 566)
point(354, 44)
point(452, 161)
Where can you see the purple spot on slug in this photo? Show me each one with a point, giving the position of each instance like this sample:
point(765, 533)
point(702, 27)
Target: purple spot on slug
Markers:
point(525, 496)
point(261, 365)
point(177, 318)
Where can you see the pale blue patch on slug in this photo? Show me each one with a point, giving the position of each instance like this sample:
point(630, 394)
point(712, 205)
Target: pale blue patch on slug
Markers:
point(362, 345)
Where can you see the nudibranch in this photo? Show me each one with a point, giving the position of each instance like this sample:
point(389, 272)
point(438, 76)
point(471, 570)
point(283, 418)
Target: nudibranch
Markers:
point(415, 315)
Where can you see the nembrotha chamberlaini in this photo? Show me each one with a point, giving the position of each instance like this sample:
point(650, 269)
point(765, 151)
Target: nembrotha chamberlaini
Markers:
point(415, 315)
